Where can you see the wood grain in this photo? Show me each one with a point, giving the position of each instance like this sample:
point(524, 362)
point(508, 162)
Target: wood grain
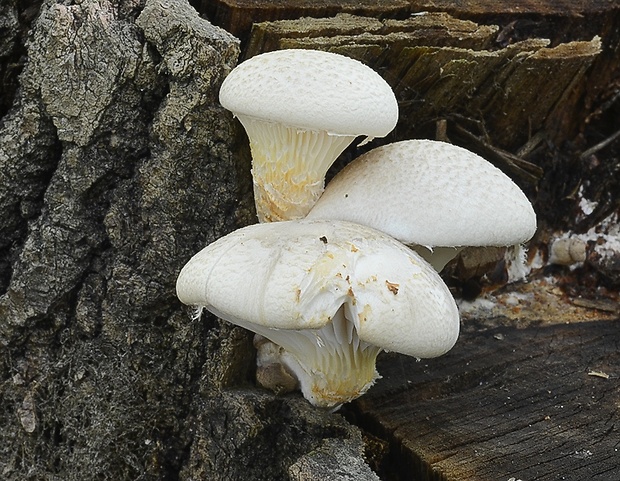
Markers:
point(443, 67)
point(540, 403)
point(237, 16)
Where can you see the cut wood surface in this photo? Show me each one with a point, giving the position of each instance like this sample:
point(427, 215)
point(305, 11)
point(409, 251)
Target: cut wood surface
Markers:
point(540, 403)
point(237, 16)
point(440, 66)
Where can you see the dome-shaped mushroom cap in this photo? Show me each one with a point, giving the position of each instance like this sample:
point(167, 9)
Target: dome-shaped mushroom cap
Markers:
point(313, 90)
point(296, 275)
point(429, 193)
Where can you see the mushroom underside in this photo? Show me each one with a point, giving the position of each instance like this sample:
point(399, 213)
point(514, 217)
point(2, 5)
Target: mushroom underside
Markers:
point(437, 257)
point(332, 364)
point(289, 166)
point(331, 294)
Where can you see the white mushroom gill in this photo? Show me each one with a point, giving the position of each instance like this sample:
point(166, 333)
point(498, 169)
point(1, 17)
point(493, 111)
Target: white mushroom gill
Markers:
point(289, 166)
point(332, 364)
point(331, 294)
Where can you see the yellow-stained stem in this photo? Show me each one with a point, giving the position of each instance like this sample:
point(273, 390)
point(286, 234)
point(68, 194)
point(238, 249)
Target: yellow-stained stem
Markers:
point(289, 166)
point(333, 366)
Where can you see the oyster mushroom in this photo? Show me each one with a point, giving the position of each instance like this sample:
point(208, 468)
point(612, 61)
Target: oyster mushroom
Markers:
point(433, 196)
point(301, 109)
point(331, 294)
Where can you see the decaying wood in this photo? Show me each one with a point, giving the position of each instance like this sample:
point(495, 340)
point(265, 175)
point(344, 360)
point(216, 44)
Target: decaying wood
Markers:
point(536, 403)
point(385, 38)
point(561, 95)
point(237, 16)
point(440, 66)
point(601, 145)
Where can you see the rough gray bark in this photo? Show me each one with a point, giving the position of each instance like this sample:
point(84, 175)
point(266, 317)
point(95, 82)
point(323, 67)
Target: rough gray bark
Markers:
point(116, 165)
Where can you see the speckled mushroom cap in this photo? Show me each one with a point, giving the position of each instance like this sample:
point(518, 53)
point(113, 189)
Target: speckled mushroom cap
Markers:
point(431, 194)
point(296, 275)
point(313, 90)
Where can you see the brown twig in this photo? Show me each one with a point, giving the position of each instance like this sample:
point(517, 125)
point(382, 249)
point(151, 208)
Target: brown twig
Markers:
point(526, 171)
point(601, 145)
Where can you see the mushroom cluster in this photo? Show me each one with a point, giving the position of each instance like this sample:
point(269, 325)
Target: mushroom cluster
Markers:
point(351, 269)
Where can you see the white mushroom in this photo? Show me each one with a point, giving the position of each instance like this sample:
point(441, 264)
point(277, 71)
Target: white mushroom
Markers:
point(331, 294)
point(301, 109)
point(432, 195)
point(567, 251)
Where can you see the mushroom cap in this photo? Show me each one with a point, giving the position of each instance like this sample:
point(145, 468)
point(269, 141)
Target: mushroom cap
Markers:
point(429, 193)
point(296, 275)
point(312, 90)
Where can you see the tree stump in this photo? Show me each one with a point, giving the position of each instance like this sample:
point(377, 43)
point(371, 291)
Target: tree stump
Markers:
point(505, 403)
point(117, 163)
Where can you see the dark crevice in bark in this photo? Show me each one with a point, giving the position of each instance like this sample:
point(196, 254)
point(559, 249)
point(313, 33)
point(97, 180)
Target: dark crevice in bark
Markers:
point(385, 453)
point(16, 19)
point(26, 168)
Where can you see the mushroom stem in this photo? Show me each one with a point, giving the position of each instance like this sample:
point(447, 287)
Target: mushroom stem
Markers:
point(437, 257)
point(332, 364)
point(289, 166)
point(300, 107)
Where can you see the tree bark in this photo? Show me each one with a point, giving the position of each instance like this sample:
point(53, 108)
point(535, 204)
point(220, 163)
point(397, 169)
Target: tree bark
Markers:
point(116, 165)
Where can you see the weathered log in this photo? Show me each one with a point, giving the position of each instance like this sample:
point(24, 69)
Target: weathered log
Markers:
point(441, 67)
point(505, 403)
point(237, 16)
point(436, 30)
